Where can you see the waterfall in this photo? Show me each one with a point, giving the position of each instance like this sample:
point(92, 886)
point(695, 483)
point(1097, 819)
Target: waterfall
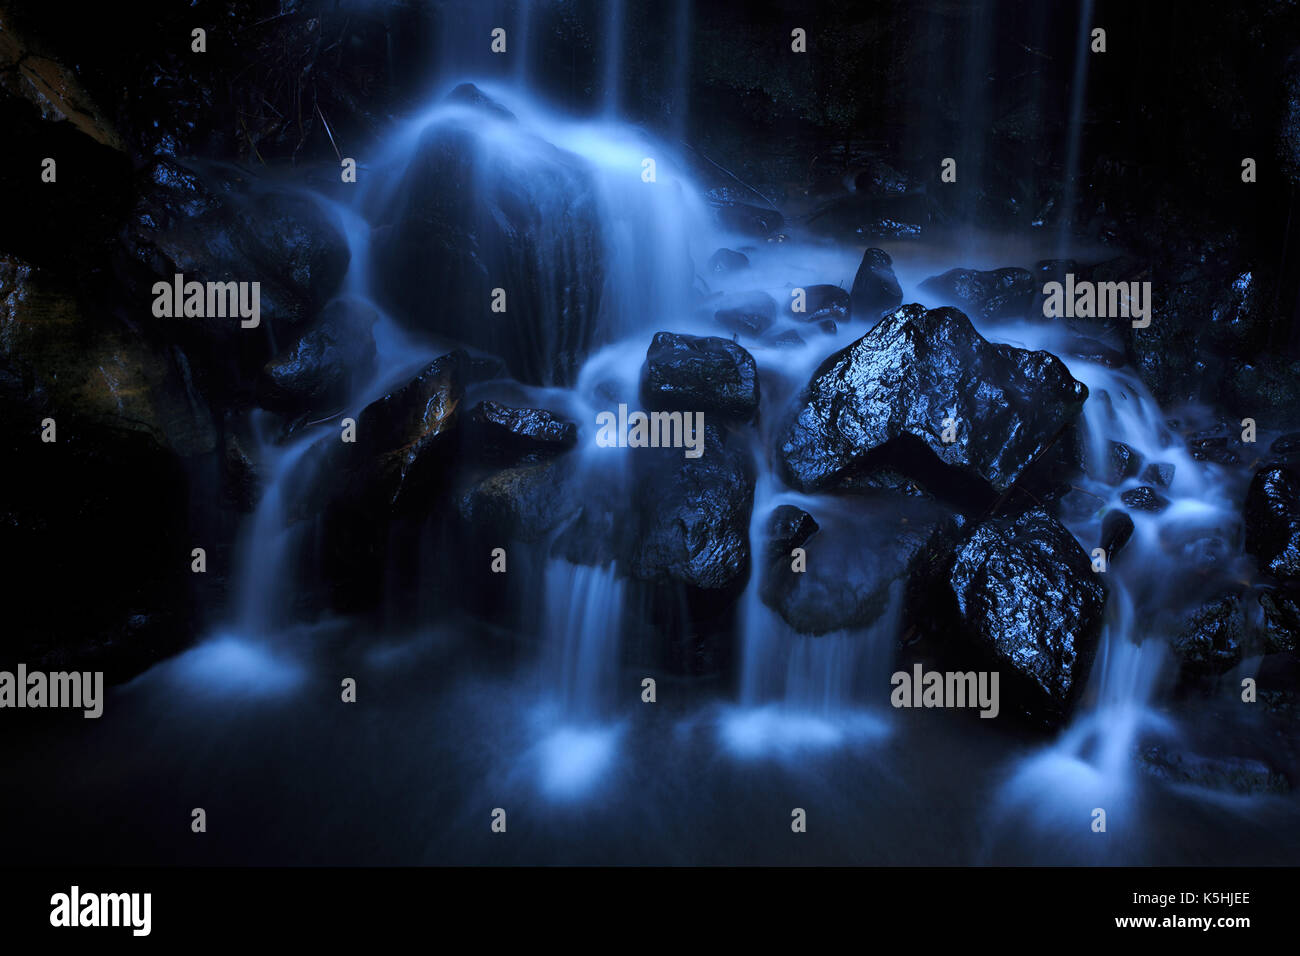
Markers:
point(1075, 131)
point(613, 53)
point(583, 618)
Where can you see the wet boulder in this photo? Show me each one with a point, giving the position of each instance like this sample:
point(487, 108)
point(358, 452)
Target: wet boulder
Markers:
point(1208, 640)
point(1020, 593)
point(525, 503)
point(1273, 521)
point(325, 366)
point(1116, 529)
point(406, 439)
point(700, 373)
point(511, 436)
point(875, 288)
point(693, 522)
point(998, 294)
point(787, 528)
point(1144, 498)
point(1121, 462)
point(1281, 619)
point(882, 402)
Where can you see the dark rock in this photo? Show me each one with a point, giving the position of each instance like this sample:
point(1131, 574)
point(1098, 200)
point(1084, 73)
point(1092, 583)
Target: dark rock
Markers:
point(326, 365)
point(890, 391)
point(527, 503)
point(749, 313)
point(875, 288)
point(694, 522)
point(405, 439)
point(787, 528)
point(727, 260)
point(513, 436)
point(1144, 498)
point(887, 227)
point(240, 480)
point(693, 373)
point(1212, 448)
point(821, 303)
point(827, 326)
point(999, 294)
point(1273, 521)
point(853, 568)
point(1123, 463)
point(1209, 638)
point(1160, 474)
point(1020, 592)
point(1116, 529)
point(1281, 620)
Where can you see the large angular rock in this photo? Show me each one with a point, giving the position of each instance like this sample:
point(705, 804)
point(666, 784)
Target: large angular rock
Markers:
point(886, 396)
point(406, 439)
point(505, 435)
point(693, 373)
point(1273, 521)
point(875, 288)
point(694, 516)
point(1018, 593)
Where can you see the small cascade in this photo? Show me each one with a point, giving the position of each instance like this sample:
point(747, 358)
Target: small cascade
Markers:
point(584, 607)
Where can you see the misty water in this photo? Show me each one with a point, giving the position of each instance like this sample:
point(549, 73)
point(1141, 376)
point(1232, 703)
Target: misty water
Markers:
point(455, 718)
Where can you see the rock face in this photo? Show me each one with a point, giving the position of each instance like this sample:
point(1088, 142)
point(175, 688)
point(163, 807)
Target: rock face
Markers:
point(852, 566)
point(875, 288)
point(100, 512)
point(467, 218)
point(1000, 294)
point(326, 365)
point(693, 373)
point(1273, 521)
point(513, 436)
point(1020, 593)
point(886, 396)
